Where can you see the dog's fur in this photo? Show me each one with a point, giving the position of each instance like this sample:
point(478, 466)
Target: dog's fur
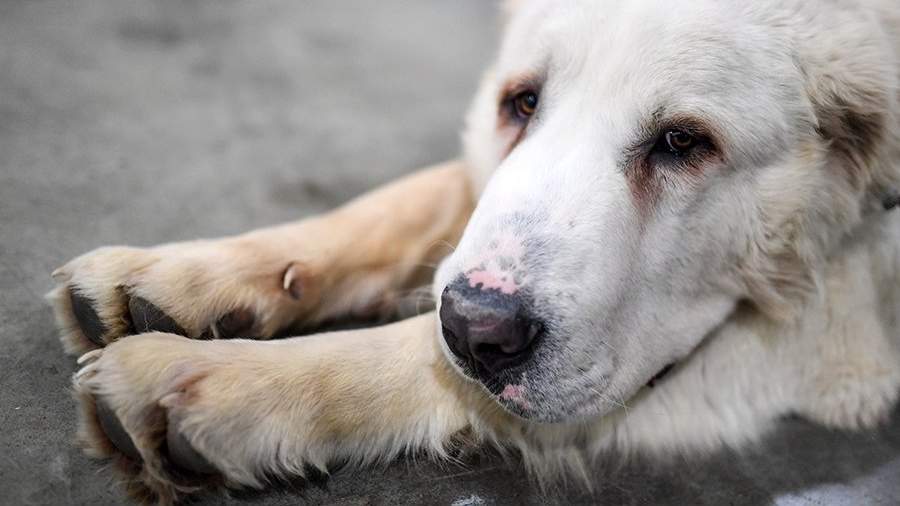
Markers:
point(767, 269)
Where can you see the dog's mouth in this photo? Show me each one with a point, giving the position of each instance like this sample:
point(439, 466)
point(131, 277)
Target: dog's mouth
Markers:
point(658, 377)
point(518, 388)
point(516, 395)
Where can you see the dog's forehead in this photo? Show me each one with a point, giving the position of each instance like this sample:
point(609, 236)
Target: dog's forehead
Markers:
point(595, 37)
point(624, 62)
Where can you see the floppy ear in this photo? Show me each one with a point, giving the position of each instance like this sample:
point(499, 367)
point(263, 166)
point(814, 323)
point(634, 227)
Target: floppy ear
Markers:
point(854, 123)
point(855, 101)
point(852, 88)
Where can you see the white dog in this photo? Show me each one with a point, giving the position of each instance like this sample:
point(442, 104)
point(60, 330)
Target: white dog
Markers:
point(673, 225)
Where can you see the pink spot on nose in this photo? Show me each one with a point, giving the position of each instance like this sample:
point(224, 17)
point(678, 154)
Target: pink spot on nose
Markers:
point(488, 280)
point(515, 394)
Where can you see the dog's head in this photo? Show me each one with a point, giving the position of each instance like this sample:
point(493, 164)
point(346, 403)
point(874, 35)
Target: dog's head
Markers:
point(654, 164)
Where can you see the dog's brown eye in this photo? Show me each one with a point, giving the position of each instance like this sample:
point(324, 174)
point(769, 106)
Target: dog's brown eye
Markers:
point(679, 142)
point(525, 104)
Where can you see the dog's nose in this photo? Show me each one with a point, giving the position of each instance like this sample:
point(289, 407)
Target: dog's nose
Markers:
point(488, 329)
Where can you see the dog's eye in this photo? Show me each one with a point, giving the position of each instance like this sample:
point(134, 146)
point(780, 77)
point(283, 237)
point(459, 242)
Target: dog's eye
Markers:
point(525, 104)
point(678, 142)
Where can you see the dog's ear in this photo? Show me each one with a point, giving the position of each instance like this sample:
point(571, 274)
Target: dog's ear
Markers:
point(855, 102)
point(854, 123)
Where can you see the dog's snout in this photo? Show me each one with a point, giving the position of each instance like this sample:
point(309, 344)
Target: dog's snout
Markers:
point(487, 328)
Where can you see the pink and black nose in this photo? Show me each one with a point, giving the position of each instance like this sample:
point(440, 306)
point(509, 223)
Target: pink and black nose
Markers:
point(488, 329)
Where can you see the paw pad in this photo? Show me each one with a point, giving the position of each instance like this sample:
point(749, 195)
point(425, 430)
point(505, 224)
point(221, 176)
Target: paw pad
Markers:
point(184, 456)
point(235, 324)
point(179, 451)
point(114, 430)
point(147, 317)
point(88, 319)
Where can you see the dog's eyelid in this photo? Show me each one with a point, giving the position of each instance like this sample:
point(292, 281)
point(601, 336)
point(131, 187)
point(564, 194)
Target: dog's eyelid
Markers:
point(691, 126)
point(651, 150)
point(664, 119)
point(519, 85)
point(705, 142)
point(517, 112)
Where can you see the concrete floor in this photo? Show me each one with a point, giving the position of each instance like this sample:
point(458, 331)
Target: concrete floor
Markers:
point(147, 121)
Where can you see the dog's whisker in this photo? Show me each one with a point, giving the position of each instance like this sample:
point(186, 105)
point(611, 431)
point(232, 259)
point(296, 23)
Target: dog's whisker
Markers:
point(610, 400)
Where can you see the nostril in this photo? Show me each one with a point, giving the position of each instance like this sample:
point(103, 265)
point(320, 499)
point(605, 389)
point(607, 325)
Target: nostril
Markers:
point(520, 337)
point(491, 353)
point(508, 348)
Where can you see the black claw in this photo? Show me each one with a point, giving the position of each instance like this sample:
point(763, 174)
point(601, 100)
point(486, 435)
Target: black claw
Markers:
point(184, 456)
point(146, 317)
point(111, 425)
point(237, 323)
point(88, 319)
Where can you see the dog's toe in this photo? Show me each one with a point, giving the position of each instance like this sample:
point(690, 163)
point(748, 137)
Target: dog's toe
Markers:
point(180, 452)
point(165, 468)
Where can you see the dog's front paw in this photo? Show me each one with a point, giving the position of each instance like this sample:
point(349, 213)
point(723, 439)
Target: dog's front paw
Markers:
point(125, 392)
point(177, 416)
point(853, 398)
point(201, 289)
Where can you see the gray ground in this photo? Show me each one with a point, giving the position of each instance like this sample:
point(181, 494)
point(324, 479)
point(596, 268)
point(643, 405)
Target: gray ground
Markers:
point(144, 121)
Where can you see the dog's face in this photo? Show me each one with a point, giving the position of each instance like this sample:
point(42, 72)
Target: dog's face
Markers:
point(648, 155)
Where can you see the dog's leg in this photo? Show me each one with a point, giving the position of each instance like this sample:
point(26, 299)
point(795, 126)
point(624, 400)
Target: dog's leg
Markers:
point(854, 382)
point(177, 413)
point(254, 285)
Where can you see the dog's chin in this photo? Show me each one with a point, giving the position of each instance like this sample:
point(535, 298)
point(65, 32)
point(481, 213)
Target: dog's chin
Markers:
point(587, 399)
point(502, 390)
point(525, 402)
point(588, 402)
point(533, 406)
point(539, 410)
